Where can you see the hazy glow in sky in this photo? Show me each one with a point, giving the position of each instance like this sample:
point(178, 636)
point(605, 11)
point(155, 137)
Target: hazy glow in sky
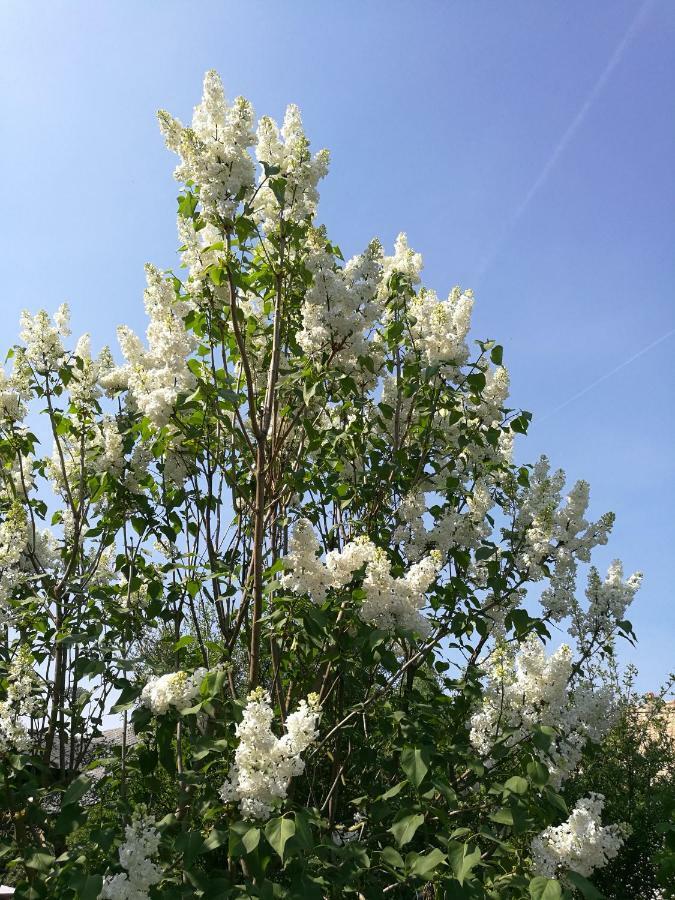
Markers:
point(526, 148)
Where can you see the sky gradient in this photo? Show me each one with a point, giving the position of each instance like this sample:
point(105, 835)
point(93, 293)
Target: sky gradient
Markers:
point(526, 149)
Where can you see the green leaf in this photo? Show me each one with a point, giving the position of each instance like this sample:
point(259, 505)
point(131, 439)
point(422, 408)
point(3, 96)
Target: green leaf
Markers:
point(278, 832)
point(76, 790)
point(516, 785)
point(415, 764)
point(404, 828)
point(543, 736)
point(503, 816)
point(462, 859)
point(41, 862)
point(303, 831)
point(190, 844)
point(185, 641)
point(244, 838)
point(582, 884)
point(497, 354)
point(392, 792)
point(537, 773)
point(391, 857)
point(87, 887)
point(425, 864)
point(542, 888)
point(215, 839)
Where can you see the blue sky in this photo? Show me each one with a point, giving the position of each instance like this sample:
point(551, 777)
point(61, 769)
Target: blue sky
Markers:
point(526, 147)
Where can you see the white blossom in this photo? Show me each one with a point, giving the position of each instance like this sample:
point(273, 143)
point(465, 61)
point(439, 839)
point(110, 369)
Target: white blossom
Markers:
point(175, 689)
point(340, 309)
point(390, 602)
point(264, 763)
point(135, 854)
point(19, 701)
point(534, 690)
point(441, 327)
point(286, 152)
point(159, 374)
point(111, 449)
point(581, 844)
point(44, 349)
point(214, 152)
point(405, 261)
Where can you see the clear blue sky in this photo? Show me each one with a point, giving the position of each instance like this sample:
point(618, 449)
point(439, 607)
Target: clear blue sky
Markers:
point(526, 147)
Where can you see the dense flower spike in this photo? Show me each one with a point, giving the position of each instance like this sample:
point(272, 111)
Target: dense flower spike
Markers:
point(536, 690)
point(140, 872)
point(20, 702)
point(176, 689)
point(214, 151)
point(389, 602)
point(159, 374)
point(286, 153)
point(581, 844)
point(263, 763)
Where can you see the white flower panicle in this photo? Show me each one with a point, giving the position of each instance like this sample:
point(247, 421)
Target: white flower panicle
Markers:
point(214, 152)
point(287, 155)
point(441, 327)
point(20, 701)
point(533, 690)
point(12, 398)
point(405, 261)
point(397, 602)
point(264, 763)
point(340, 308)
point(581, 844)
point(13, 542)
point(390, 602)
point(175, 689)
point(463, 524)
point(608, 600)
point(135, 854)
point(44, 348)
point(83, 386)
point(555, 536)
point(110, 448)
point(157, 376)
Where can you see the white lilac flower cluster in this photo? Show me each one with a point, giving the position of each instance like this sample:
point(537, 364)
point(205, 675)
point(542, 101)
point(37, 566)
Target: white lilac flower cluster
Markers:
point(608, 600)
point(405, 262)
point(214, 151)
point(340, 309)
point(109, 448)
point(534, 690)
point(286, 153)
point(463, 524)
point(141, 873)
point(158, 374)
point(42, 336)
point(19, 702)
point(23, 551)
point(390, 602)
point(12, 545)
point(581, 844)
point(215, 156)
point(264, 763)
point(175, 689)
point(441, 326)
point(12, 396)
point(554, 537)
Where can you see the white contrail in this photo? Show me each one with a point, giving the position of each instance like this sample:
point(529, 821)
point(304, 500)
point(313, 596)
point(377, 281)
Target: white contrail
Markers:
point(607, 375)
point(564, 141)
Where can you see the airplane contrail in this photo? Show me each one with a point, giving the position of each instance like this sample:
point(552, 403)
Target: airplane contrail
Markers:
point(607, 375)
point(568, 135)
